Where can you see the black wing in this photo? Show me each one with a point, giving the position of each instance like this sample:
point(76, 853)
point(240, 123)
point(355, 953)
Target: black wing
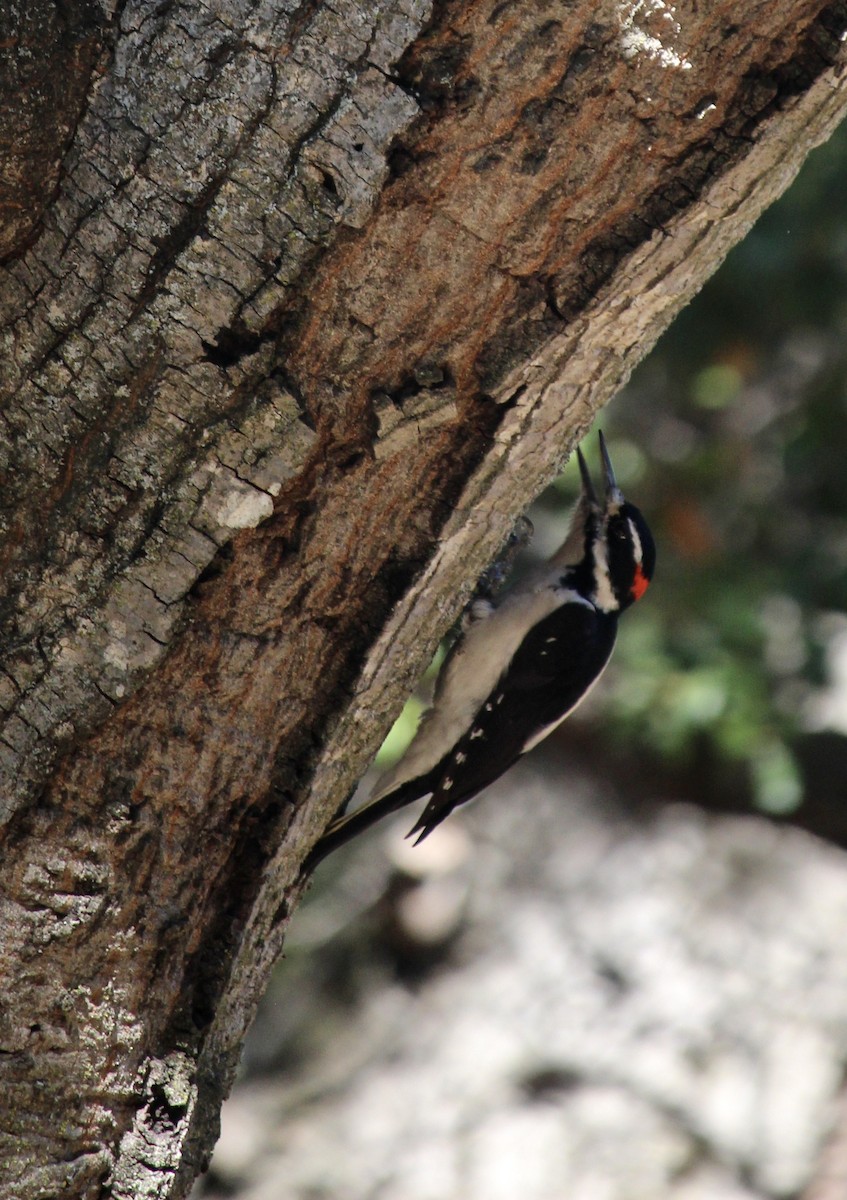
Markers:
point(553, 669)
point(346, 827)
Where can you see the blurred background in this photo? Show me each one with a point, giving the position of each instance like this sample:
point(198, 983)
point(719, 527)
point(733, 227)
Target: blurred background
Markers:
point(733, 435)
point(620, 975)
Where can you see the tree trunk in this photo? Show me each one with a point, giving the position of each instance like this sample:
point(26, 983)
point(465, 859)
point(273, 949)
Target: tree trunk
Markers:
point(302, 305)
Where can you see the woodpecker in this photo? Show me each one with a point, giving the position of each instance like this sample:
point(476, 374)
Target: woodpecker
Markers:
point(520, 667)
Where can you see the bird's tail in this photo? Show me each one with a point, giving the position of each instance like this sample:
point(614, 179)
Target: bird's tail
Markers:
point(344, 828)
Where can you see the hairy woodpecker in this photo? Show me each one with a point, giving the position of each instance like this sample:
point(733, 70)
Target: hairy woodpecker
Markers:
point(519, 668)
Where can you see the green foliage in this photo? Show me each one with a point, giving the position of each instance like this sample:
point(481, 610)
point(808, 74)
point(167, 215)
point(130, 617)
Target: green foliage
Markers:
point(739, 414)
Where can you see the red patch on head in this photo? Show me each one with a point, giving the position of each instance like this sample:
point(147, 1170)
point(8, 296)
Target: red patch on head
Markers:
point(640, 583)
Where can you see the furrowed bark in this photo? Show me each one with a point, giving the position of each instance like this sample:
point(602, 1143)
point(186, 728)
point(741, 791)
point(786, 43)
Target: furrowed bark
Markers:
point(302, 312)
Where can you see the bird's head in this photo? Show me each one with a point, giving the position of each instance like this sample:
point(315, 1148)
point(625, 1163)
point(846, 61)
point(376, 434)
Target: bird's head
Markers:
point(619, 554)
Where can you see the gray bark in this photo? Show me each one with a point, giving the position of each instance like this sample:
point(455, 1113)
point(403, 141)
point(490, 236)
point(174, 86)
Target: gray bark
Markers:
point(305, 304)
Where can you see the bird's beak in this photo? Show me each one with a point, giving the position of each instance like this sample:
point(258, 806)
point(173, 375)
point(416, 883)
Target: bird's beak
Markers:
point(587, 486)
point(614, 495)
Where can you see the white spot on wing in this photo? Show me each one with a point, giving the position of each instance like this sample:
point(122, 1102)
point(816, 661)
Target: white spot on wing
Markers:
point(472, 672)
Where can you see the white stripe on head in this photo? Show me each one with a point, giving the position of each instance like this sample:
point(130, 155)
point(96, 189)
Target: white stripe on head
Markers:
point(604, 596)
point(636, 541)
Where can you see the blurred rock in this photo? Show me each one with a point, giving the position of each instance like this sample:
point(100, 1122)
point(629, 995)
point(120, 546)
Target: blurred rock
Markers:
point(623, 1009)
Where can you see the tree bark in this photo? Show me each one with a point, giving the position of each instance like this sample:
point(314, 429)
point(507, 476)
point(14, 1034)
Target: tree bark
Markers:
point(301, 306)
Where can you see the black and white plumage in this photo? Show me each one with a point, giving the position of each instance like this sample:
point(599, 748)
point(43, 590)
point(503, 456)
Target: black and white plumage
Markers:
point(520, 667)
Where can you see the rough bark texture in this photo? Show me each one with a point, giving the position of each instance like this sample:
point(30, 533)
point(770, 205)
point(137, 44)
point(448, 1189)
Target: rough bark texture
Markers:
point(313, 303)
